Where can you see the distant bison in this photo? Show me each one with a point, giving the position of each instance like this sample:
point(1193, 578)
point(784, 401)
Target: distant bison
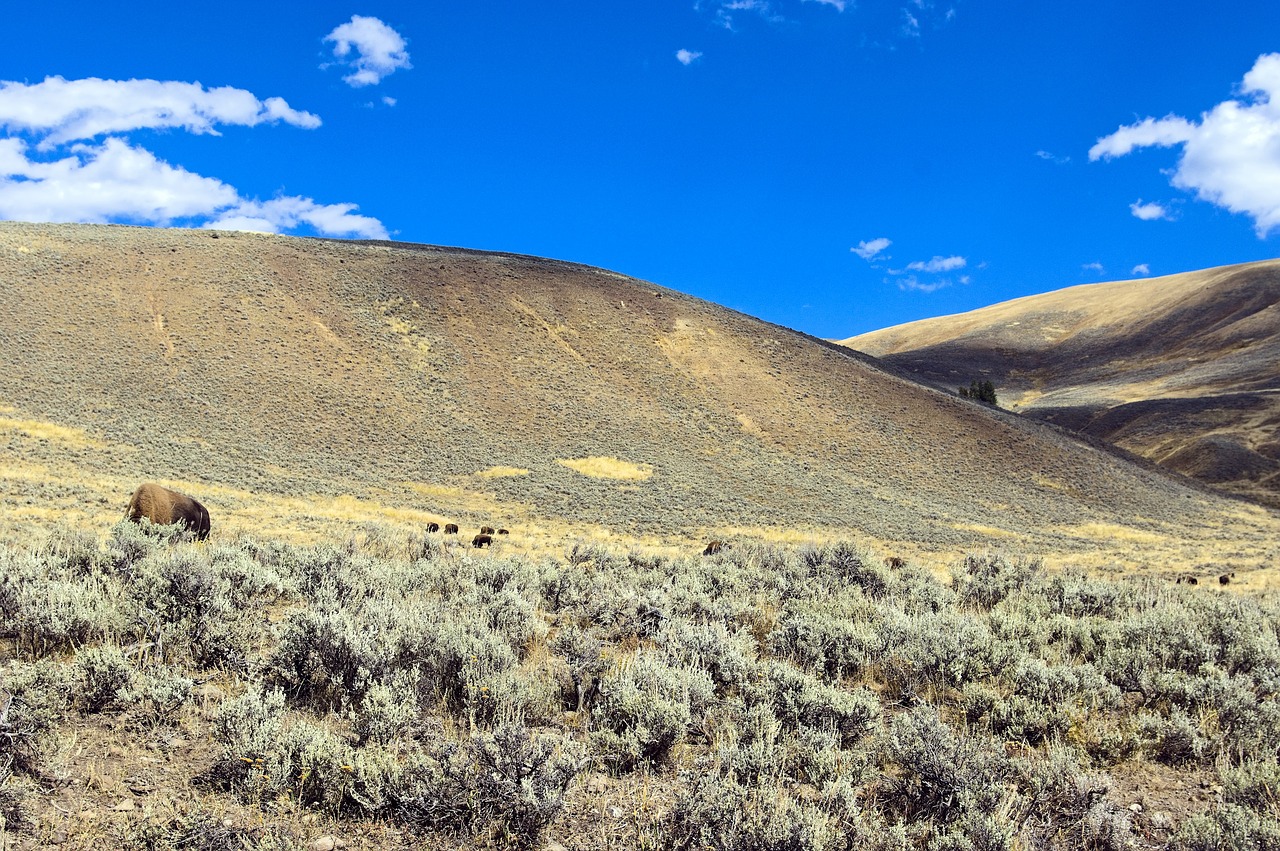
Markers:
point(1225, 579)
point(486, 530)
point(894, 563)
point(503, 532)
point(713, 548)
point(451, 528)
point(1190, 580)
point(163, 506)
point(481, 541)
point(433, 527)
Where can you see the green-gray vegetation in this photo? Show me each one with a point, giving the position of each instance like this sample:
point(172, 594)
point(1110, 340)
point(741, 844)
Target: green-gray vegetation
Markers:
point(784, 698)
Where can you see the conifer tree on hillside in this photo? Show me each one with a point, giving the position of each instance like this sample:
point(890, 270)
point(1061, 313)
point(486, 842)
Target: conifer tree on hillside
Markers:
point(984, 392)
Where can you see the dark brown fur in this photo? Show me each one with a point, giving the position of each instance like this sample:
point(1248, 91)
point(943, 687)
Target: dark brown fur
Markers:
point(451, 528)
point(486, 530)
point(713, 548)
point(433, 527)
point(481, 541)
point(163, 506)
point(1225, 579)
point(503, 532)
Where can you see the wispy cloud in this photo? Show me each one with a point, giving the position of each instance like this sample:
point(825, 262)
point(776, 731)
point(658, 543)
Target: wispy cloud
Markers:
point(68, 176)
point(838, 5)
point(58, 111)
point(924, 276)
point(1148, 211)
point(1230, 157)
point(937, 264)
point(370, 48)
point(1049, 156)
point(869, 249)
point(687, 57)
point(1142, 269)
point(1096, 268)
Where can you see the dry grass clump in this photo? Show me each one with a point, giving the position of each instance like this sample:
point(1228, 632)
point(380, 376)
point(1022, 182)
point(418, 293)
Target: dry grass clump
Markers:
point(763, 698)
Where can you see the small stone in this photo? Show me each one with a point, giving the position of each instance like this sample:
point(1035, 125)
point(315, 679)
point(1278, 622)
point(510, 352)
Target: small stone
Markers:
point(1135, 808)
point(597, 784)
point(324, 843)
point(125, 807)
point(226, 822)
point(615, 812)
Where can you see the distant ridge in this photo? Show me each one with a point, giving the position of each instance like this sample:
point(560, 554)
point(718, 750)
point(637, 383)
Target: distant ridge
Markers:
point(300, 384)
point(1184, 369)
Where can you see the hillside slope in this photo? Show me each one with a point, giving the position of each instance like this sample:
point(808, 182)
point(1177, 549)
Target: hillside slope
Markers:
point(295, 384)
point(1180, 369)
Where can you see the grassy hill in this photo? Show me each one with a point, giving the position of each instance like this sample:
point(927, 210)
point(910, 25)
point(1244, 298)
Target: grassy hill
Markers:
point(869, 663)
point(1179, 369)
point(296, 384)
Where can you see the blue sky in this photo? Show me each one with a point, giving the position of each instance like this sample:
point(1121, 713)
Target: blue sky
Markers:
point(831, 166)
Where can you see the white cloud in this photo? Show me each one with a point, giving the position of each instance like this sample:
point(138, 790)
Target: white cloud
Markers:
point(838, 4)
point(911, 283)
point(1049, 156)
point(1148, 211)
point(868, 249)
point(937, 264)
point(687, 57)
point(1094, 267)
point(389, 101)
point(63, 111)
point(118, 182)
point(1231, 156)
point(1141, 269)
point(379, 50)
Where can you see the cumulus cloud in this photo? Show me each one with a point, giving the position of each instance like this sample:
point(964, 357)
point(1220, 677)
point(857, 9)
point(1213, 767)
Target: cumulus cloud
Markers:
point(1141, 269)
point(1096, 268)
point(118, 182)
point(1148, 211)
point(868, 249)
point(1230, 157)
point(937, 264)
point(687, 57)
point(61, 111)
point(370, 48)
point(54, 167)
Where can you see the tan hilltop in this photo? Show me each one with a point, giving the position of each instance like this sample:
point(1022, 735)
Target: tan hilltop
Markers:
point(1179, 369)
point(301, 386)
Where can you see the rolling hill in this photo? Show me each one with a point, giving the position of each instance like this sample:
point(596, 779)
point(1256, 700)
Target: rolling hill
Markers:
point(298, 386)
point(1181, 369)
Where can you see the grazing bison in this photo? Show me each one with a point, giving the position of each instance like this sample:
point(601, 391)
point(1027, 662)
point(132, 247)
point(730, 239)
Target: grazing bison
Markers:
point(503, 532)
point(451, 528)
point(433, 527)
point(1225, 579)
point(713, 548)
point(163, 506)
point(894, 563)
point(481, 541)
point(486, 530)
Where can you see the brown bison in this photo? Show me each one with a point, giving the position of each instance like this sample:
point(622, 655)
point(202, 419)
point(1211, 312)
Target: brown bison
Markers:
point(713, 548)
point(1225, 579)
point(486, 530)
point(895, 563)
point(482, 541)
point(163, 507)
point(451, 528)
point(503, 532)
point(433, 527)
